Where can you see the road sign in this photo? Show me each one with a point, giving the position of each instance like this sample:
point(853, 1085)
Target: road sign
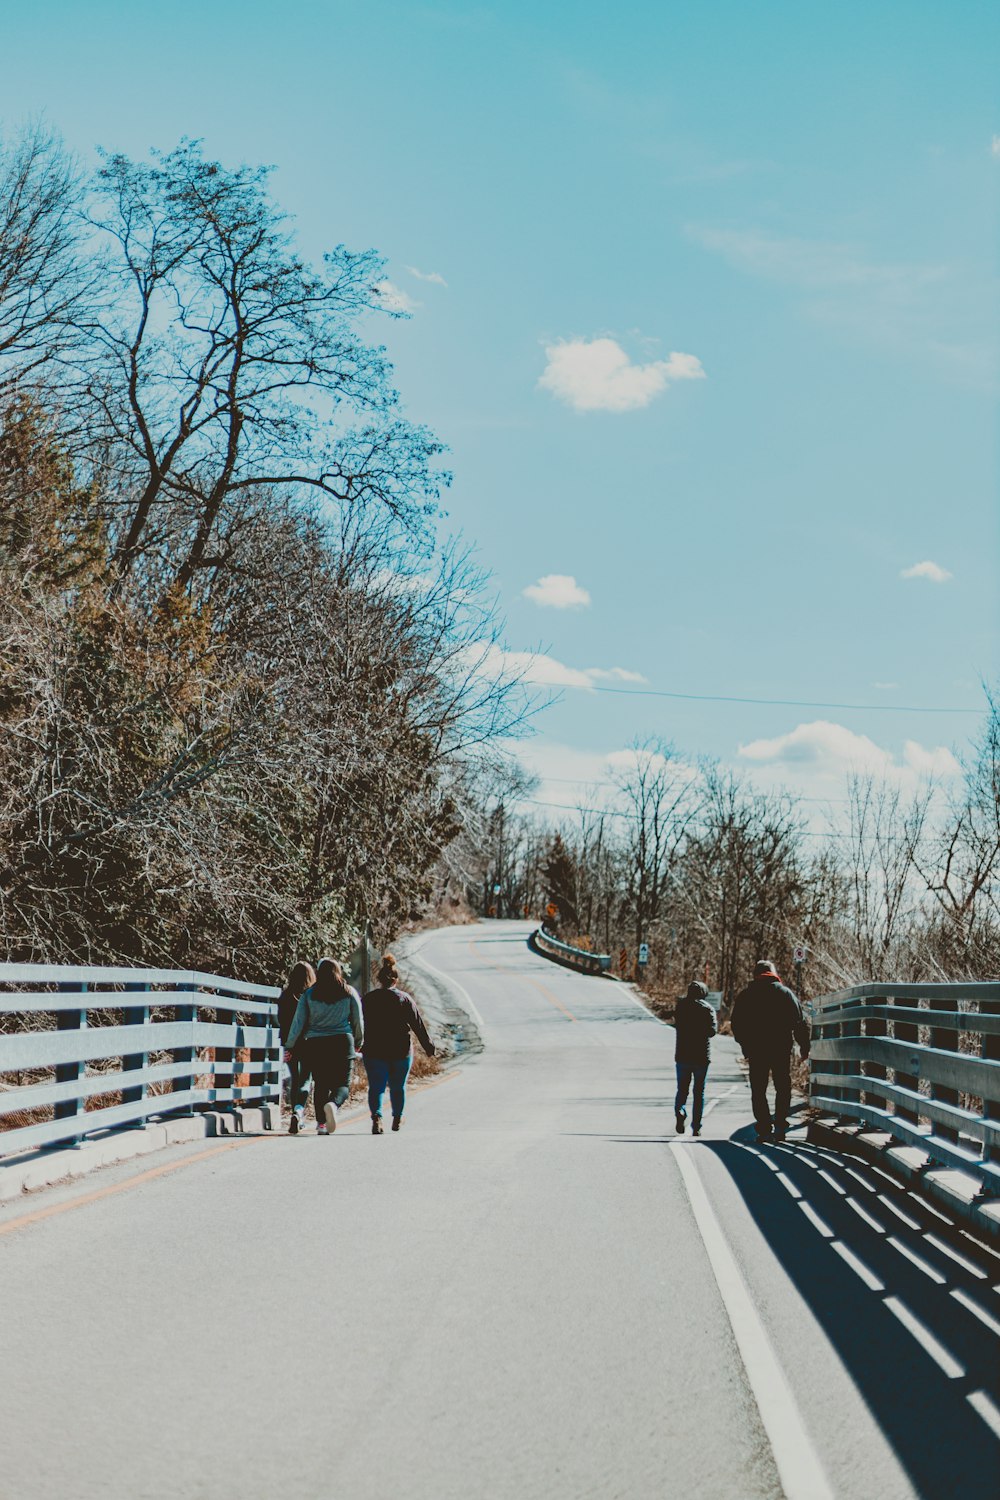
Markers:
point(800, 954)
point(643, 953)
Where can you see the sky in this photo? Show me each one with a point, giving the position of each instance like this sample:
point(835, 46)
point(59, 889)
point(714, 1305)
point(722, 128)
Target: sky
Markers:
point(703, 303)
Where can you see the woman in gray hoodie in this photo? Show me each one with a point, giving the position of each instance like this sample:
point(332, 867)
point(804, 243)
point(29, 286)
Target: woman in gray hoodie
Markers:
point(328, 1026)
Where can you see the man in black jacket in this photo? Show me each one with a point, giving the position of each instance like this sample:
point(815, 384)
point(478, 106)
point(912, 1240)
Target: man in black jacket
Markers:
point(766, 1017)
point(694, 1022)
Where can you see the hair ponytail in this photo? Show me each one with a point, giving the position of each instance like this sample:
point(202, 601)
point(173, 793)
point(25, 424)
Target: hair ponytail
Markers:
point(388, 974)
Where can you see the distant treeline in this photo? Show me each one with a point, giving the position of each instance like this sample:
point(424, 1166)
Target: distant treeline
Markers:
point(712, 874)
point(244, 693)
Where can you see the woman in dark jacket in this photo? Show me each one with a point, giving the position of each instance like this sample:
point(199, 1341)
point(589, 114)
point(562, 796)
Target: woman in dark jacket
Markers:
point(695, 1024)
point(390, 1017)
point(299, 980)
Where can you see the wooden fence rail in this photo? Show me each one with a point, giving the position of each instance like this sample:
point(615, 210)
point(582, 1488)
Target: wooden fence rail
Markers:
point(148, 1042)
point(920, 1062)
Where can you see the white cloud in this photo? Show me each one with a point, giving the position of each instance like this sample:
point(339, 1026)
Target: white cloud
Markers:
point(930, 570)
point(597, 375)
point(557, 591)
point(614, 674)
point(434, 277)
point(832, 751)
point(995, 146)
point(886, 687)
point(538, 669)
point(393, 299)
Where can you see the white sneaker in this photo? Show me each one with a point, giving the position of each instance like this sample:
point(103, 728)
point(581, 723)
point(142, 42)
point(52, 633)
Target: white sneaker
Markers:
point(321, 1130)
point(330, 1111)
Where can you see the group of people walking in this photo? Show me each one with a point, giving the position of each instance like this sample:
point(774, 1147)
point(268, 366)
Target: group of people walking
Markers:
point(766, 1019)
point(325, 1025)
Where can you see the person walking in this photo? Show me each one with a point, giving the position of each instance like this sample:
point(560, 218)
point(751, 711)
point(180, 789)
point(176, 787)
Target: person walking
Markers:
point(766, 1018)
point(328, 1024)
point(695, 1025)
point(300, 979)
point(391, 1021)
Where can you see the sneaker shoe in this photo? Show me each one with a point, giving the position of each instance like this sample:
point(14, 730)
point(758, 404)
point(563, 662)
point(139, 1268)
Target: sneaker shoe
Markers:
point(293, 1125)
point(321, 1130)
point(330, 1114)
point(778, 1135)
point(696, 1130)
point(763, 1136)
point(397, 1121)
point(679, 1122)
point(376, 1125)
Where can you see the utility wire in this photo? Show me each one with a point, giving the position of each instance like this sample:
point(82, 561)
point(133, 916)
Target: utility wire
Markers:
point(870, 708)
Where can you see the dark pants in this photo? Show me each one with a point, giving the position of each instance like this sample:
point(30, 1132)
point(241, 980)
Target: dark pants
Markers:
point(298, 1082)
point(686, 1074)
point(331, 1061)
point(763, 1067)
point(392, 1074)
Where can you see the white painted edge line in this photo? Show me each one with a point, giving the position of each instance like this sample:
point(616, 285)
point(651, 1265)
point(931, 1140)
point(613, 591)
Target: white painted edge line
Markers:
point(719, 1098)
point(986, 1408)
point(938, 1353)
point(799, 1468)
point(471, 1005)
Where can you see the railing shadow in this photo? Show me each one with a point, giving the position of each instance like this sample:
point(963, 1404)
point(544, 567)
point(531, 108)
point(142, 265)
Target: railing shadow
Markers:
point(943, 1444)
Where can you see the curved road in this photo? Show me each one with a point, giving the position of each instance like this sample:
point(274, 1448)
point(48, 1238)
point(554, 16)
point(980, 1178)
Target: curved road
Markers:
point(535, 1290)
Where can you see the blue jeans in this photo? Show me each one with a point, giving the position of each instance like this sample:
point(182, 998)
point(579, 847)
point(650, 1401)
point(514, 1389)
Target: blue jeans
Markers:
point(685, 1073)
point(391, 1075)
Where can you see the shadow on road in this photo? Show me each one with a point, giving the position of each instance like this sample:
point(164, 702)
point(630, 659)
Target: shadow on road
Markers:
point(942, 1443)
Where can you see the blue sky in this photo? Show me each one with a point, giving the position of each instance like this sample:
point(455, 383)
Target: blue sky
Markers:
point(713, 329)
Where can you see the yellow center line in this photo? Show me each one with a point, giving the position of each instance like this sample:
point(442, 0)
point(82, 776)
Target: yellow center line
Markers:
point(119, 1187)
point(491, 963)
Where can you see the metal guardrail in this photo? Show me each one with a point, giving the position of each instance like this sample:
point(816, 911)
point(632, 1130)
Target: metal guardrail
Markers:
point(920, 1061)
point(580, 959)
point(136, 1035)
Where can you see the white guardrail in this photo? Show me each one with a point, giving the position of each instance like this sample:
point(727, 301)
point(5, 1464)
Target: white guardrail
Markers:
point(580, 959)
point(88, 1049)
point(919, 1061)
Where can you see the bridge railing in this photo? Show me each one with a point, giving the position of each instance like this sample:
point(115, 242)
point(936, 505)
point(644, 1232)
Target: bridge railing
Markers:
point(580, 959)
point(919, 1061)
point(86, 1049)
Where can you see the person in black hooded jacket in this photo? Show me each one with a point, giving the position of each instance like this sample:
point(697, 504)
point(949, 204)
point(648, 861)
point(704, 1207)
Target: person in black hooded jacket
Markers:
point(766, 1018)
point(695, 1024)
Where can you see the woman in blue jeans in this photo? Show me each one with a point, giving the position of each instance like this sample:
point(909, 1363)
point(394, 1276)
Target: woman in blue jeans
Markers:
point(391, 1020)
point(695, 1024)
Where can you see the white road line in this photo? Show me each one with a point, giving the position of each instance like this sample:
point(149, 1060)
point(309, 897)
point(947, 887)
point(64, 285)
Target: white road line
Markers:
point(471, 1005)
point(986, 1408)
point(894, 1209)
point(946, 1249)
point(917, 1260)
point(975, 1309)
point(798, 1464)
point(788, 1185)
point(863, 1213)
point(719, 1098)
point(925, 1338)
point(857, 1266)
point(816, 1221)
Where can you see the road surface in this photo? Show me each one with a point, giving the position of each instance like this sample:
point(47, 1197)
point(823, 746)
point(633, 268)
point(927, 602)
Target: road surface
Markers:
point(534, 1290)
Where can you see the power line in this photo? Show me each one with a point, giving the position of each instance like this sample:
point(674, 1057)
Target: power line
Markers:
point(610, 812)
point(609, 786)
point(871, 708)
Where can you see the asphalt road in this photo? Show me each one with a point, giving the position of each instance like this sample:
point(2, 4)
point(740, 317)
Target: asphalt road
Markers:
point(534, 1290)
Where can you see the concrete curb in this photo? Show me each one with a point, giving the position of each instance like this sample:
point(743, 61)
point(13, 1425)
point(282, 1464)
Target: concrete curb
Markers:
point(955, 1192)
point(40, 1169)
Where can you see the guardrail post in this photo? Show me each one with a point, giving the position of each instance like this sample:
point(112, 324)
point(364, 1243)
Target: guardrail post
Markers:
point(945, 1040)
point(225, 1057)
point(991, 1052)
point(70, 1020)
point(850, 1029)
point(875, 1026)
point(905, 1031)
point(185, 1083)
point(133, 1062)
